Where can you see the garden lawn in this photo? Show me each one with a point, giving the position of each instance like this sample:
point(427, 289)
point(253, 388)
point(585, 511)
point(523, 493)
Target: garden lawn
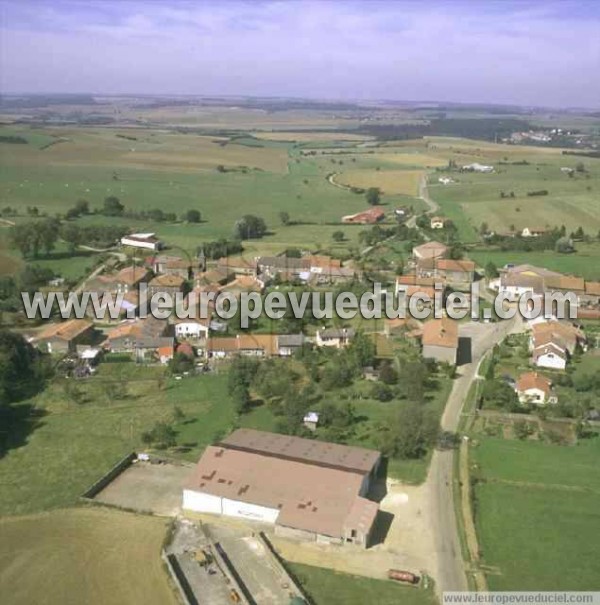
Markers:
point(537, 514)
point(326, 587)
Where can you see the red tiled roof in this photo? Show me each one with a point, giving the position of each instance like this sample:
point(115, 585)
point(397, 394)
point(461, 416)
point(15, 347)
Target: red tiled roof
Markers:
point(441, 333)
point(533, 380)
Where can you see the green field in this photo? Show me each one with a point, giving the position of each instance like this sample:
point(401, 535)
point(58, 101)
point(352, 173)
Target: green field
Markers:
point(58, 451)
point(584, 262)
point(326, 586)
point(536, 509)
point(475, 198)
point(176, 172)
point(158, 168)
point(66, 446)
point(76, 556)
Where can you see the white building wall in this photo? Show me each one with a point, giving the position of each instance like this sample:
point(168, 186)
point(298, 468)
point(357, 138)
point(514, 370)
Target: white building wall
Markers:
point(202, 503)
point(514, 292)
point(191, 329)
point(235, 508)
point(140, 244)
point(532, 395)
point(552, 361)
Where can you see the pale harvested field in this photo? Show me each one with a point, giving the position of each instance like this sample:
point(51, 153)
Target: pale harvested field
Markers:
point(153, 150)
point(540, 212)
point(493, 149)
point(307, 137)
point(244, 118)
point(389, 181)
point(83, 556)
point(412, 159)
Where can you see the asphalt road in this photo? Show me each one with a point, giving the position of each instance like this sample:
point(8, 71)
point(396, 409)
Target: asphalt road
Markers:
point(450, 572)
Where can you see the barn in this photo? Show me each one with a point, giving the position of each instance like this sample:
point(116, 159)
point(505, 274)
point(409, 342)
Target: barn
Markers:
point(308, 489)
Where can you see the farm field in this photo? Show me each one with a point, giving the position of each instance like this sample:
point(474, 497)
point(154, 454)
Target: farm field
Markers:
point(326, 586)
point(98, 166)
point(154, 168)
point(536, 506)
point(84, 555)
point(309, 137)
point(585, 262)
point(405, 182)
point(475, 198)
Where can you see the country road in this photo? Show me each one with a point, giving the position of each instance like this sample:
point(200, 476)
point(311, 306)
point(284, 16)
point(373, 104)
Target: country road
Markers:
point(450, 572)
point(424, 195)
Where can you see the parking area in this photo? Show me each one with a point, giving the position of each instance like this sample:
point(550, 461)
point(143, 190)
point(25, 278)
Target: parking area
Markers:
point(149, 487)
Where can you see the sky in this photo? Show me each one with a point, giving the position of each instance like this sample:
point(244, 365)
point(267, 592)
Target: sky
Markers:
point(542, 53)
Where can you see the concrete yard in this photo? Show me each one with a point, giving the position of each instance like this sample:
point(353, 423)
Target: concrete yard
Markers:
point(256, 566)
point(403, 539)
point(148, 487)
point(208, 583)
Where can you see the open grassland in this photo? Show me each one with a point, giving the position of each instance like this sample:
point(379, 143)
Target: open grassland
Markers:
point(60, 451)
point(94, 164)
point(536, 512)
point(155, 150)
point(585, 262)
point(83, 555)
point(62, 261)
point(476, 198)
point(151, 168)
point(406, 157)
point(404, 182)
point(309, 137)
point(242, 118)
point(325, 586)
point(57, 452)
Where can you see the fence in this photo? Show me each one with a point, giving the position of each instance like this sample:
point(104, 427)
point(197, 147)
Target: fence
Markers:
point(114, 472)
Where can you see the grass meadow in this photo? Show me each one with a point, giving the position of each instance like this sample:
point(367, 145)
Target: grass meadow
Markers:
point(85, 555)
point(536, 510)
point(66, 446)
point(286, 172)
point(585, 261)
point(476, 198)
point(327, 586)
point(67, 443)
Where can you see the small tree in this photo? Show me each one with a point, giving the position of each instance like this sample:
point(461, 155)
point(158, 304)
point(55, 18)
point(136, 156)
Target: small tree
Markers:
point(112, 206)
point(373, 196)
point(387, 374)
point(491, 271)
point(161, 436)
point(338, 236)
point(193, 216)
point(284, 217)
point(82, 207)
point(249, 227)
point(564, 245)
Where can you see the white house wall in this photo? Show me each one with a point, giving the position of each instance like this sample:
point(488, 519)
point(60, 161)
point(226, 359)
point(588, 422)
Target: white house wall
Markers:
point(201, 503)
point(551, 361)
point(235, 508)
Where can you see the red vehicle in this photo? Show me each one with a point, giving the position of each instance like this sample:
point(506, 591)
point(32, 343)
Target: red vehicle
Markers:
point(403, 576)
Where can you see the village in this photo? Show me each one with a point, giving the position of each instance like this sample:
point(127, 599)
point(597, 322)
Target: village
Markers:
point(207, 341)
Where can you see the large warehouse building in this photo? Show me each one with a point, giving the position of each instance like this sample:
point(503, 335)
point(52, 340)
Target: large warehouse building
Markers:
point(308, 489)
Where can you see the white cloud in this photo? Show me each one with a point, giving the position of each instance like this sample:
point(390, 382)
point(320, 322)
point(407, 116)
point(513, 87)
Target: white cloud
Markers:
point(503, 52)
